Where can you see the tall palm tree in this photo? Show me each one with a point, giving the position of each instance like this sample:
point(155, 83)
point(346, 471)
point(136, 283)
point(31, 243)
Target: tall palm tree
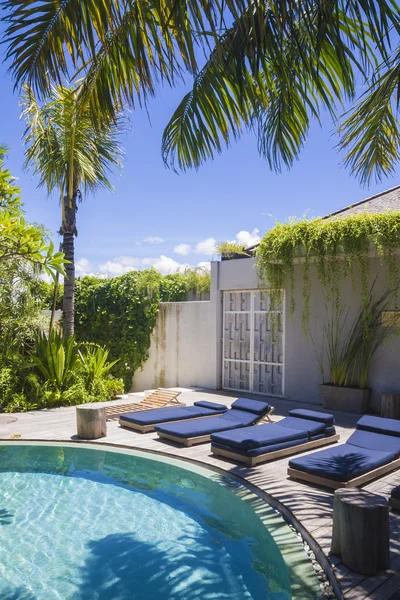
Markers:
point(73, 155)
point(269, 65)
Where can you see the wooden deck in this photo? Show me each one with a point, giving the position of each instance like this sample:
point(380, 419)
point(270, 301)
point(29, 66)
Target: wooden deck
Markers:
point(310, 506)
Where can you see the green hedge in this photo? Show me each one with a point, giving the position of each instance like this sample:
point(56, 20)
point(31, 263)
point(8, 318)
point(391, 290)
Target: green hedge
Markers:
point(120, 313)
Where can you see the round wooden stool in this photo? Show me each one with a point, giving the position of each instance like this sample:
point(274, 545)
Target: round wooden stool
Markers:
point(361, 530)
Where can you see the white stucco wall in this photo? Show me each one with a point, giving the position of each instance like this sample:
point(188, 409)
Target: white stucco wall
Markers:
point(302, 374)
point(183, 348)
point(186, 348)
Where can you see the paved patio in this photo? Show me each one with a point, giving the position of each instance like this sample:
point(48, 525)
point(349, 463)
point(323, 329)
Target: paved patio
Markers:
point(310, 506)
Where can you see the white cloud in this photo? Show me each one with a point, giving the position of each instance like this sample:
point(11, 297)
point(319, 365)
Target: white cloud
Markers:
point(83, 267)
point(123, 264)
point(153, 240)
point(205, 264)
point(206, 247)
point(248, 238)
point(183, 249)
point(167, 265)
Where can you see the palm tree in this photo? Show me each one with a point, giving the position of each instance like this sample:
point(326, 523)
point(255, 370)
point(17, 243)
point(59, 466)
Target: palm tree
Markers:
point(73, 155)
point(270, 65)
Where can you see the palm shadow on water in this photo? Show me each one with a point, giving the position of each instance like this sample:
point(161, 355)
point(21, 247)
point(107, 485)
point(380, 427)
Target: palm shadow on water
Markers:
point(19, 593)
point(120, 567)
point(6, 517)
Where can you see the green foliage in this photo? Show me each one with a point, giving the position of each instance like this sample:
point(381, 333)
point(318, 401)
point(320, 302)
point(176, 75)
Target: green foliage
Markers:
point(337, 247)
point(20, 241)
point(120, 313)
point(349, 350)
point(178, 286)
point(94, 363)
point(57, 371)
point(272, 66)
point(45, 293)
point(55, 359)
point(230, 249)
point(64, 146)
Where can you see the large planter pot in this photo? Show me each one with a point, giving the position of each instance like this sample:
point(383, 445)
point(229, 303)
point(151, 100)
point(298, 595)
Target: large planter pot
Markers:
point(347, 399)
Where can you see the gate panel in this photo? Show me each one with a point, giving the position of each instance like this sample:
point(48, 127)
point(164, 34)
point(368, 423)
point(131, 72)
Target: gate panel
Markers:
point(253, 343)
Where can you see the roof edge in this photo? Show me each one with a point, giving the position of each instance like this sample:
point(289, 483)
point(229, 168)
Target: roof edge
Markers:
point(338, 212)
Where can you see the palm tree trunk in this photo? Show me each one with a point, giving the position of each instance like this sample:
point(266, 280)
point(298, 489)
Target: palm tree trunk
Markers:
point(68, 231)
point(69, 285)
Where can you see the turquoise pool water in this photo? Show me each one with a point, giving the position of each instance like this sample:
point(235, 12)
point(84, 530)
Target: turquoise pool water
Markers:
point(87, 524)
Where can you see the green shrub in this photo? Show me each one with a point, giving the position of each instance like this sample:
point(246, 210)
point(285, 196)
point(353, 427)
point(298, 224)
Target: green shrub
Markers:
point(338, 247)
point(57, 372)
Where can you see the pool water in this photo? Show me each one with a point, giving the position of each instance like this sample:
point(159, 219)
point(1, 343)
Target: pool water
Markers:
point(87, 524)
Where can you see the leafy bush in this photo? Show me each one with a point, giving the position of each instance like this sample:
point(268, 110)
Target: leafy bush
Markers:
point(56, 372)
point(55, 359)
point(338, 247)
point(120, 313)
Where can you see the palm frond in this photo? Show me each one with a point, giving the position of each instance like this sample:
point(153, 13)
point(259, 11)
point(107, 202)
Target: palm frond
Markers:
point(63, 130)
point(371, 133)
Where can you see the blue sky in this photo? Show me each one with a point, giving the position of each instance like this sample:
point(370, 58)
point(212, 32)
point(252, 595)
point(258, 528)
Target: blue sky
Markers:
point(156, 217)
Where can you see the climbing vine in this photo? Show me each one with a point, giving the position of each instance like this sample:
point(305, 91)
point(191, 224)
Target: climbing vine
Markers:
point(120, 313)
point(338, 247)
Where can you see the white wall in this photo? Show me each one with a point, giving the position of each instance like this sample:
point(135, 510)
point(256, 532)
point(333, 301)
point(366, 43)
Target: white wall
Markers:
point(302, 374)
point(186, 348)
point(183, 348)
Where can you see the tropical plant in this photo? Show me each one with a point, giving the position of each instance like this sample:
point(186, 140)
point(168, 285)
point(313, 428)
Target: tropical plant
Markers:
point(72, 155)
point(19, 240)
point(271, 66)
point(55, 359)
point(349, 348)
point(94, 362)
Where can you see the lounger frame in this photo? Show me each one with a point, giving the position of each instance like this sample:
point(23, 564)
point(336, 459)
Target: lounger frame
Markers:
point(201, 439)
point(356, 482)
point(160, 398)
point(151, 426)
point(394, 503)
point(252, 461)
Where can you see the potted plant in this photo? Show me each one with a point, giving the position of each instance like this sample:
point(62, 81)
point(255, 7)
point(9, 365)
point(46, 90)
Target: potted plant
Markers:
point(231, 250)
point(349, 350)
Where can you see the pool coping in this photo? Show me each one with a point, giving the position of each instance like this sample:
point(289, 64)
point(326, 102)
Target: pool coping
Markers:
point(286, 515)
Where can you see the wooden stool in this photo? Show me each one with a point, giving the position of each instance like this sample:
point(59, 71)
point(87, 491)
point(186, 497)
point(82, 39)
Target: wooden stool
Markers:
point(91, 421)
point(390, 406)
point(361, 530)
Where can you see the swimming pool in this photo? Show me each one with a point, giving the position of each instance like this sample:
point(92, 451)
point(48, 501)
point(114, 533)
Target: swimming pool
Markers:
point(83, 523)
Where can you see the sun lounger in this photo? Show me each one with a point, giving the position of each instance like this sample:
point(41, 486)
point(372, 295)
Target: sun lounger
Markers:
point(160, 397)
point(370, 452)
point(394, 499)
point(243, 412)
point(302, 430)
point(146, 420)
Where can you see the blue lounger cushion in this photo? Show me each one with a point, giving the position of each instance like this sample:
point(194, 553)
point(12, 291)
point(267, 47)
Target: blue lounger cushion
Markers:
point(313, 415)
point(379, 425)
point(255, 406)
point(311, 427)
point(211, 405)
point(375, 441)
point(163, 415)
point(256, 437)
point(341, 463)
point(240, 417)
point(396, 493)
point(188, 429)
point(261, 449)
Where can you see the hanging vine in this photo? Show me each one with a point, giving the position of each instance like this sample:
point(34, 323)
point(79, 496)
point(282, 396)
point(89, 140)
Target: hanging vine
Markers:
point(338, 247)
